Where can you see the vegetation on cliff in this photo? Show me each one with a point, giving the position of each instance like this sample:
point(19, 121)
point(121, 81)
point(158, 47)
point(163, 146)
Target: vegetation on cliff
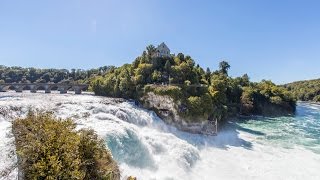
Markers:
point(202, 94)
point(308, 90)
point(51, 148)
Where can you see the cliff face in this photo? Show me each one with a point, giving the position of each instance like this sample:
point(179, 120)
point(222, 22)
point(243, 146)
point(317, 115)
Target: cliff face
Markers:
point(172, 112)
point(166, 108)
point(270, 109)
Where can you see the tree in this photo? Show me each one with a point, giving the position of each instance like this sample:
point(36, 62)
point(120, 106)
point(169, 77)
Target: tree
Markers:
point(224, 66)
point(150, 49)
point(207, 75)
point(246, 101)
point(245, 80)
point(167, 66)
point(208, 72)
point(156, 76)
point(126, 85)
point(180, 56)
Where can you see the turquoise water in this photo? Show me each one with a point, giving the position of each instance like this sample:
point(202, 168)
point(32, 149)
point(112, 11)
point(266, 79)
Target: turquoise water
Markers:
point(302, 130)
point(146, 147)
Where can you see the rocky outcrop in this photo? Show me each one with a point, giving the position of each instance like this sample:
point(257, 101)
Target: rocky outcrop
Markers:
point(166, 108)
point(274, 110)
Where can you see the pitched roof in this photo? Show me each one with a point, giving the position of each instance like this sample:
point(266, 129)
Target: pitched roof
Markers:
point(163, 45)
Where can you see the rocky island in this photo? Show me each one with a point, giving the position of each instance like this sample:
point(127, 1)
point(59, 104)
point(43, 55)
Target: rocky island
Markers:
point(185, 95)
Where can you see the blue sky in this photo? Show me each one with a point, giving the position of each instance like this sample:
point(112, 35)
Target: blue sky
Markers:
point(270, 39)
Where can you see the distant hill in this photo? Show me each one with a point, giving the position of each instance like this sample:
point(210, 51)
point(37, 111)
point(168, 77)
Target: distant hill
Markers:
point(308, 90)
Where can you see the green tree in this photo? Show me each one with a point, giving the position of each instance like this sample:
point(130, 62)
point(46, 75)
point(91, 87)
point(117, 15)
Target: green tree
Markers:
point(156, 76)
point(167, 66)
point(247, 101)
point(151, 49)
point(224, 66)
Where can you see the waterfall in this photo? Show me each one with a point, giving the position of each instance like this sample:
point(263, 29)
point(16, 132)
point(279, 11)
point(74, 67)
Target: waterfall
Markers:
point(146, 147)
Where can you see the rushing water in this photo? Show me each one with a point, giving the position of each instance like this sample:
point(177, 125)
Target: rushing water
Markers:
point(145, 147)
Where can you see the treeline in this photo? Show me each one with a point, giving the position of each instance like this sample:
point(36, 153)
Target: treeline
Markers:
point(51, 148)
point(202, 94)
point(308, 90)
point(35, 75)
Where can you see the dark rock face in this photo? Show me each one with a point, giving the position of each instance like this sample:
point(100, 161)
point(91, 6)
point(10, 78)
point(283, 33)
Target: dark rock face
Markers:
point(167, 109)
point(269, 109)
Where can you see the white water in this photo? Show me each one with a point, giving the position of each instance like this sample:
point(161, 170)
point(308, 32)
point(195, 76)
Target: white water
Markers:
point(147, 148)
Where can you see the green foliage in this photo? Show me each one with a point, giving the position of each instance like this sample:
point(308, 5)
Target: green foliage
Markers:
point(276, 100)
point(218, 88)
point(167, 66)
point(117, 83)
point(194, 105)
point(206, 94)
point(147, 69)
point(199, 107)
point(224, 66)
point(156, 76)
point(305, 90)
point(50, 148)
point(172, 91)
point(96, 160)
point(32, 75)
point(316, 98)
point(258, 98)
point(247, 99)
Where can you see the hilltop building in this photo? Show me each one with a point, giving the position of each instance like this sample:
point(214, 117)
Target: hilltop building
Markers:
point(162, 51)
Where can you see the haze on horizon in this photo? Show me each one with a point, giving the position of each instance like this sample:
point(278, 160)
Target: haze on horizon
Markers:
point(277, 40)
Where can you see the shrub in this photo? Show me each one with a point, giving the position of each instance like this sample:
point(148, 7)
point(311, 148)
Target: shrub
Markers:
point(50, 148)
point(172, 91)
point(194, 105)
point(97, 162)
point(276, 100)
point(200, 107)
point(317, 98)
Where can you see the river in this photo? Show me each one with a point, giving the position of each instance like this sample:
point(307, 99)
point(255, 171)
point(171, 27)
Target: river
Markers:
point(145, 147)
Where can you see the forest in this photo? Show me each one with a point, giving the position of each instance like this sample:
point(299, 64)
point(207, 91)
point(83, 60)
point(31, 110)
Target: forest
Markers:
point(308, 90)
point(36, 75)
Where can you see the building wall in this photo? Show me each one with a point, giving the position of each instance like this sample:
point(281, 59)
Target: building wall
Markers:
point(163, 50)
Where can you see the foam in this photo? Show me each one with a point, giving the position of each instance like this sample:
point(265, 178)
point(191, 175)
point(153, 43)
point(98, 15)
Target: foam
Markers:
point(147, 148)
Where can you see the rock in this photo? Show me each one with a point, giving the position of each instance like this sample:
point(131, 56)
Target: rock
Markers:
point(167, 109)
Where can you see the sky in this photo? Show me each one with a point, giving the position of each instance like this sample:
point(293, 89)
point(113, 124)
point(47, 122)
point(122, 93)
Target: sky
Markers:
point(267, 39)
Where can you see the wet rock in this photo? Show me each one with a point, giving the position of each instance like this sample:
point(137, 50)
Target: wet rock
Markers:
point(166, 108)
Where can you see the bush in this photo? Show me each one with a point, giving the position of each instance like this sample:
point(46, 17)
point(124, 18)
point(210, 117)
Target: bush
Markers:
point(200, 107)
point(172, 91)
point(276, 100)
point(246, 101)
point(316, 98)
point(194, 105)
point(50, 148)
point(97, 162)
